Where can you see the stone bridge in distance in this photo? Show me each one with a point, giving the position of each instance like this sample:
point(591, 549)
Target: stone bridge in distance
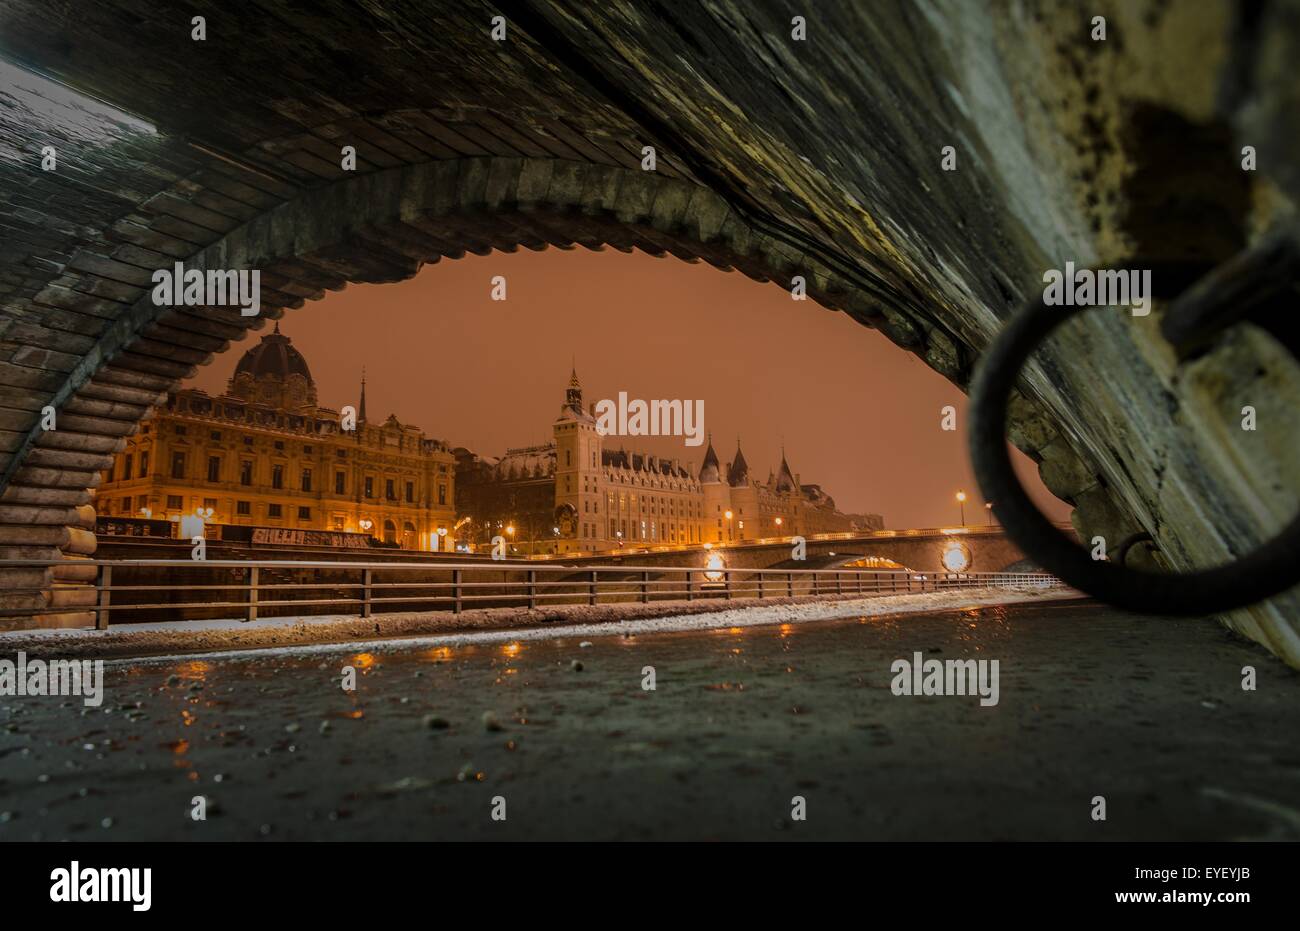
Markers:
point(981, 549)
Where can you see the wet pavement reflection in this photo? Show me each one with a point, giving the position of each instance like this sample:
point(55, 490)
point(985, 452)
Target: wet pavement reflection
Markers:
point(1148, 712)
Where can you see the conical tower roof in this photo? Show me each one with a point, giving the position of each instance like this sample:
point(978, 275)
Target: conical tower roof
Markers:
point(738, 472)
point(785, 478)
point(710, 471)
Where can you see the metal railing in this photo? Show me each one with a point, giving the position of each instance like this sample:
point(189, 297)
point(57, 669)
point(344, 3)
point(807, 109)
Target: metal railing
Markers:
point(162, 589)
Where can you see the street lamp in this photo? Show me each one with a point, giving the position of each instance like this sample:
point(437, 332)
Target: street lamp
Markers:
point(730, 534)
point(988, 506)
point(961, 501)
point(778, 526)
point(442, 537)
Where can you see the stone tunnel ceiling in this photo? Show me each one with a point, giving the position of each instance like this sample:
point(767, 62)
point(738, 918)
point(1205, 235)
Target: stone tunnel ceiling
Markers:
point(775, 156)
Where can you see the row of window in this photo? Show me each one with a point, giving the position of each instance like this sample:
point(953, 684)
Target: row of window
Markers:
point(648, 530)
point(307, 449)
point(649, 504)
point(179, 469)
point(177, 503)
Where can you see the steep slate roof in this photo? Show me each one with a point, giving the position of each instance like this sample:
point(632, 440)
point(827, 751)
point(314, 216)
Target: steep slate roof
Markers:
point(710, 471)
point(738, 471)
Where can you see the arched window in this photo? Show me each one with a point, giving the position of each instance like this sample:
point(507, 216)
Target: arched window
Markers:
point(390, 532)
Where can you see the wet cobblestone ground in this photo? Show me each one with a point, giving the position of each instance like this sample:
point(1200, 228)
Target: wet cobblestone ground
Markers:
point(1149, 713)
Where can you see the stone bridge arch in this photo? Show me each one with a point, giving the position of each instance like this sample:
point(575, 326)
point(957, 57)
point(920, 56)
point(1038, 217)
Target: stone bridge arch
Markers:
point(1074, 150)
point(989, 550)
point(985, 552)
point(377, 227)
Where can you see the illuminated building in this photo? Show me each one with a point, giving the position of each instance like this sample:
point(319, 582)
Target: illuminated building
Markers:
point(265, 454)
point(576, 495)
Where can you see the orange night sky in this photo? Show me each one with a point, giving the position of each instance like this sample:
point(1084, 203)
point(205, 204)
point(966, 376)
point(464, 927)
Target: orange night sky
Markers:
point(857, 414)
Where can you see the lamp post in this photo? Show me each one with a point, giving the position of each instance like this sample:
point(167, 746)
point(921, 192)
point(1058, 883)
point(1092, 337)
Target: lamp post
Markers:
point(778, 526)
point(730, 534)
point(961, 501)
point(988, 506)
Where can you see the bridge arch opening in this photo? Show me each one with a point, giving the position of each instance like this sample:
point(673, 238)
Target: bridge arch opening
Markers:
point(383, 227)
point(380, 227)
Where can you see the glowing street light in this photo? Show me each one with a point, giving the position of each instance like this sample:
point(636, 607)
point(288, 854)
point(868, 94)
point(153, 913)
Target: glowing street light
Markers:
point(988, 506)
point(956, 558)
point(961, 501)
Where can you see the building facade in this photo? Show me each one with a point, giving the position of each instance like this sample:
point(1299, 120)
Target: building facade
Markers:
point(265, 454)
point(576, 495)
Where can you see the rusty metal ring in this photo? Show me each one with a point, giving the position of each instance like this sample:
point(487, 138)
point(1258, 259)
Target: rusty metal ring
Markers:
point(1133, 539)
point(1269, 570)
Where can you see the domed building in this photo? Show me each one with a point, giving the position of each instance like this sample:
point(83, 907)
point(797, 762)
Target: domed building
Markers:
point(266, 456)
point(274, 373)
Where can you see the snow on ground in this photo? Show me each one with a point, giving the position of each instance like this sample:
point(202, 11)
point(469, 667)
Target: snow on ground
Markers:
point(793, 613)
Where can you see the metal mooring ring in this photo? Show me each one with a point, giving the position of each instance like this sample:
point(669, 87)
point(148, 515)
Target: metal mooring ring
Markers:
point(1272, 568)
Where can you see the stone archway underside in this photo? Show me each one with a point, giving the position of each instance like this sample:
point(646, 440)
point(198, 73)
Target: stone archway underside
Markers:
point(373, 228)
point(775, 158)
